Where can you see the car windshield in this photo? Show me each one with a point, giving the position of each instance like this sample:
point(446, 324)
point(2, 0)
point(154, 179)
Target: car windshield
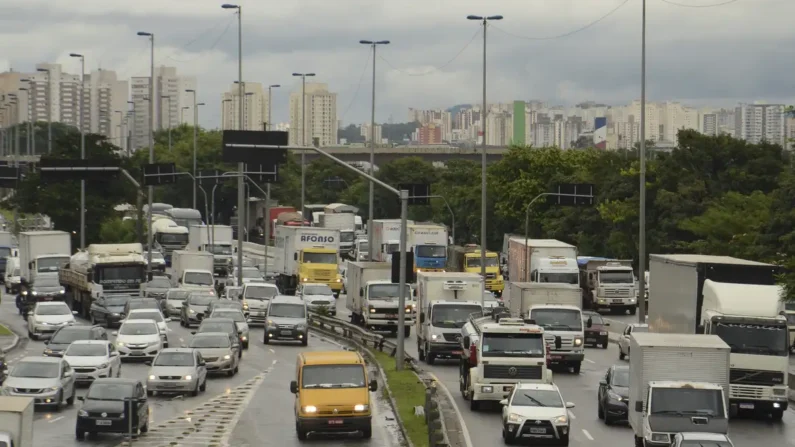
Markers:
point(109, 391)
point(53, 309)
point(557, 319)
point(210, 341)
point(153, 315)
point(220, 249)
point(177, 295)
point(65, 336)
point(159, 283)
point(233, 292)
point(87, 349)
point(385, 291)
point(200, 300)
point(215, 326)
point(620, 377)
point(453, 316)
point(332, 376)
point(596, 319)
point(157, 256)
point(320, 258)
point(616, 277)
point(260, 293)
point(235, 316)
point(318, 290)
point(513, 345)
point(431, 251)
point(46, 282)
point(199, 278)
point(251, 273)
point(475, 262)
point(284, 310)
point(36, 370)
point(142, 328)
point(537, 398)
point(174, 359)
point(116, 301)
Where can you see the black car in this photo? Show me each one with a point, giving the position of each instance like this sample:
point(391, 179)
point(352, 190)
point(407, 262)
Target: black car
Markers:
point(44, 288)
point(194, 309)
point(64, 336)
point(106, 408)
point(613, 395)
point(225, 325)
point(141, 303)
point(108, 311)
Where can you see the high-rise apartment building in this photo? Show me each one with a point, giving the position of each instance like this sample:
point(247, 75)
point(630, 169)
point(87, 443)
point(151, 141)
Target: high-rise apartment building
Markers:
point(709, 124)
point(761, 122)
point(168, 111)
point(366, 129)
point(255, 107)
point(429, 134)
point(321, 116)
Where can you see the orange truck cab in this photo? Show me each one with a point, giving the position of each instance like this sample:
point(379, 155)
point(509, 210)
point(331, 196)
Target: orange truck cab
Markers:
point(332, 394)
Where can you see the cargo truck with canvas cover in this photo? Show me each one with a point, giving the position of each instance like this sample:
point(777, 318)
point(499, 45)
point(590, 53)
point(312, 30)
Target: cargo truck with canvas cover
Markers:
point(467, 259)
point(373, 298)
point(43, 252)
point(738, 301)
point(496, 355)
point(306, 255)
point(557, 309)
point(677, 384)
point(542, 260)
point(608, 283)
point(103, 270)
point(445, 301)
point(429, 245)
point(216, 240)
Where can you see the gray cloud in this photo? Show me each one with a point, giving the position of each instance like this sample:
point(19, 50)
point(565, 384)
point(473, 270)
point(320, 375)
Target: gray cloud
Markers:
point(737, 52)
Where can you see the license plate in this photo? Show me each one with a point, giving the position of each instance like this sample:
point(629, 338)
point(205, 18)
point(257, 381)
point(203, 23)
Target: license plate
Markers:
point(538, 431)
point(619, 301)
point(169, 385)
point(457, 352)
point(137, 353)
point(103, 422)
point(335, 422)
point(47, 298)
point(286, 332)
point(392, 316)
point(555, 357)
point(747, 406)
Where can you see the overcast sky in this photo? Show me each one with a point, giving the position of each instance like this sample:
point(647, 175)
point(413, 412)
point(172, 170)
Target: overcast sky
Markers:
point(742, 51)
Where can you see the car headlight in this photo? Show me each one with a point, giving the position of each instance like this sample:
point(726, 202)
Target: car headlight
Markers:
point(103, 366)
point(52, 389)
point(372, 311)
point(115, 314)
point(562, 419)
point(154, 343)
point(120, 344)
point(152, 377)
point(35, 292)
point(48, 351)
point(62, 291)
point(227, 357)
point(516, 418)
point(188, 377)
point(578, 342)
point(486, 389)
point(270, 322)
point(660, 437)
point(191, 311)
point(310, 409)
point(24, 292)
point(82, 413)
point(361, 407)
point(300, 326)
point(613, 396)
point(434, 336)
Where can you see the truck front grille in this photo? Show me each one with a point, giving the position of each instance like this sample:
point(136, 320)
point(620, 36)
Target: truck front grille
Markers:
point(491, 275)
point(752, 377)
point(566, 343)
point(324, 275)
point(385, 311)
point(745, 392)
point(452, 337)
point(616, 292)
point(509, 372)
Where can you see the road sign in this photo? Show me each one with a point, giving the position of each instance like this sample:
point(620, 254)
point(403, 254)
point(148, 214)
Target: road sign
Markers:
point(254, 146)
point(262, 173)
point(572, 194)
point(418, 193)
point(160, 174)
point(411, 276)
point(9, 177)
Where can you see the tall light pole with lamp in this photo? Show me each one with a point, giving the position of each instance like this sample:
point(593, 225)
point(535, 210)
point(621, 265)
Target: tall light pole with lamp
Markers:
point(195, 140)
point(82, 148)
point(303, 139)
point(151, 145)
point(642, 223)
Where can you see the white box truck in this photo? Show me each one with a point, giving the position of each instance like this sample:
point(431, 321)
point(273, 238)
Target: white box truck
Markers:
point(193, 269)
point(542, 260)
point(373, 298)
point(16, 421)
point(738, 301)
point(346, 224)
point(556, 308)
point(429, 245)
point(677, 383)
point(306, 255)
point(214, 239)
point(384, 234)
point(43, 252)
point(445, 301)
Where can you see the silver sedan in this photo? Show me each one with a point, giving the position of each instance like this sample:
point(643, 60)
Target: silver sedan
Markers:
point(177, 370)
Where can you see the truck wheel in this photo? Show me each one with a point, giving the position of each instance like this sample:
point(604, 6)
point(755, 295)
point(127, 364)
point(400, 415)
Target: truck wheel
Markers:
point(777, 414)
point(633, 310)
point(638, 442)
point(406, 331)
point(576, 367)
point(474, 405)
point(420, 352)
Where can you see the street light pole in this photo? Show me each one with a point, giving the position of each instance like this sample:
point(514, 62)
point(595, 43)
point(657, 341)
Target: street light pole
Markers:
point(195, 140)
point(303, 140)
point(151, 146)
point(49, 107)
point(642, 223)
point(371, 249)
point(240, 166)
point(168, 101)
point(483, 185)
point(82, 148)
point(270, 123)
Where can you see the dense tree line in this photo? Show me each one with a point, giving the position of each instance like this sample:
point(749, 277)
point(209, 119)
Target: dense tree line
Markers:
point(710, 195)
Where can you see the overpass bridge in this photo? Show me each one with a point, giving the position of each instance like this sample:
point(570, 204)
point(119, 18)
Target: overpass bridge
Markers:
point(383, 154)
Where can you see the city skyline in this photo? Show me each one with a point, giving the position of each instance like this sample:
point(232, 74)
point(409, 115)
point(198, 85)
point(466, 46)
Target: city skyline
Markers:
point(720, 55)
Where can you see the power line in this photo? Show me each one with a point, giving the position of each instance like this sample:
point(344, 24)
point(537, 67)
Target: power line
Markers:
point(714, 5)
point(435, 69)
point(568, 33)
point(358, 86)
point(220, 36)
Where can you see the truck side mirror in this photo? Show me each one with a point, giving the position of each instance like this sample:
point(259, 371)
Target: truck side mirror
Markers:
point(361, 291)
point(466, 342)
point(589, 323)
point(414, 292)
point(700, 329)
point(150, 276)
point(295, 256)
point(422, 317)
point(294, 387)
point(639, 406)
point(30, 264)
point(558, 342)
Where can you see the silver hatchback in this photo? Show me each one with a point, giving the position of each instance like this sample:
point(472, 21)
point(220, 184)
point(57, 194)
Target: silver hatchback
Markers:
point(177, 370)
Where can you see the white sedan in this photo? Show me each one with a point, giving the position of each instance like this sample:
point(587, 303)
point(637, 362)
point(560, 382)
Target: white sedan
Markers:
point(93, 359)
point(47, 317)
point(536, 412)
point(623, 340)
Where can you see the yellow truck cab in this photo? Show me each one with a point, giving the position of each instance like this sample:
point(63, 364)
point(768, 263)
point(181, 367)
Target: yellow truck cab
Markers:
point(467, 259)
point(306, 255)
point(332, 394)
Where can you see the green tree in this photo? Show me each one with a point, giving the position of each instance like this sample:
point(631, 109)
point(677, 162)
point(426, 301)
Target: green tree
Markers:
point(117, 231)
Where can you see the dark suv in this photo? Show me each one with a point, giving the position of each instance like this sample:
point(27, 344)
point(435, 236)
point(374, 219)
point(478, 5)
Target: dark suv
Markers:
point(108, 311)
point(106, 408)
point(64, 336)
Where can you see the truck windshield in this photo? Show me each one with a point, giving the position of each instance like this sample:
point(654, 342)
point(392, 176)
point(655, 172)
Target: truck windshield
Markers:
point(186, 222)
point(431, 251)
point(385, 291)
point(220, 249)
point(560, 278)
point(513, 345)
point(51, 264)
point(198, 278)
point(616, 277)
point(453, 316)
point(363, 246)
point(754, 339)
point(558, 319)
point(475, 262)
point(332, 376)
point(347, 236)
point(320, 258)
point(687, 401)
point(172, 239)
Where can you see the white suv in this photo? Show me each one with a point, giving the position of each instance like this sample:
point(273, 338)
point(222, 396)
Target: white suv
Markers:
point(537, 412)
point(138, 339)
point(47, 317)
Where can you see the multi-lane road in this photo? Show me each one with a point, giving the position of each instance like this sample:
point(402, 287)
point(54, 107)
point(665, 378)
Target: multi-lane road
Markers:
point(255, 407)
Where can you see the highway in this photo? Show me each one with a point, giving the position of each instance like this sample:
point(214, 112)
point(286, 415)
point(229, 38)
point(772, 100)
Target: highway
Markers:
point(258, 398)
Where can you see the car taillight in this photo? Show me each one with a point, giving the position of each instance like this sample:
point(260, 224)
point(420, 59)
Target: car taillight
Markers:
point(473, 355)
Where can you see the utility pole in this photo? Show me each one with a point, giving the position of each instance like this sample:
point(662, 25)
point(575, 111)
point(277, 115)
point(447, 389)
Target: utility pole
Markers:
point(195, 140)
point(303, 140)
point(82, 147)
point(151, 145)
point(642, 223)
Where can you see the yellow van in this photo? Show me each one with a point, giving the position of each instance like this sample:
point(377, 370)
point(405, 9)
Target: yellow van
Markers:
point(332, 394)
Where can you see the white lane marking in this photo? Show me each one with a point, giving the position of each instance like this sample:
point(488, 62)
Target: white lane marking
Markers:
point(56, 419)
point(590, 361)
point(465, 429)
point(271, 350)
point(181, 339)
point(587, 435)
point(571, 415)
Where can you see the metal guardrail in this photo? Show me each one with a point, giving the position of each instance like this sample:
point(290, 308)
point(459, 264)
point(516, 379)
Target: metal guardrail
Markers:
point(437, 433)
point(252, 249)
